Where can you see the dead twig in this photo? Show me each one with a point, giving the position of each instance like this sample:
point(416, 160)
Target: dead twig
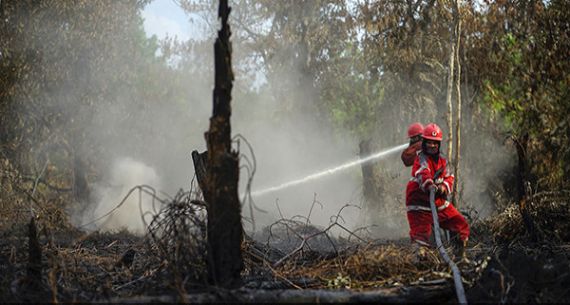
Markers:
point(305, 238)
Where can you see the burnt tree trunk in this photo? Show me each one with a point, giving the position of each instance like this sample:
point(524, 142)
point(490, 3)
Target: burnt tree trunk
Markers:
point(81, 191)
point(372, 190)
point(520, 145)
point(221, 190)
point(524, 193)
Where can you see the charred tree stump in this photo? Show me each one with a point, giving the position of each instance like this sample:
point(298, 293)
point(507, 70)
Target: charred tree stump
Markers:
point(200, 161)
point(220, 191)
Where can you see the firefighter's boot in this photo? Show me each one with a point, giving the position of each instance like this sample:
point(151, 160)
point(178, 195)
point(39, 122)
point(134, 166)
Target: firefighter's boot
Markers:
point(420, 253)
point(461, 252)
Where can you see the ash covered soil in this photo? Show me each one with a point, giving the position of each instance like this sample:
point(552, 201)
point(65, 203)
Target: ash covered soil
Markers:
point(288, 261)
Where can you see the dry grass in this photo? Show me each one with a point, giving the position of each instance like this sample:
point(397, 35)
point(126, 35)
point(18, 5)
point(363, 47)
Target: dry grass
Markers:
point(370, 267)
point(171, 259)
point(550, 211)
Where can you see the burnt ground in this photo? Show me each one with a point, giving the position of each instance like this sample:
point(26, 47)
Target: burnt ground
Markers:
point(519, 274)
point(290, 261)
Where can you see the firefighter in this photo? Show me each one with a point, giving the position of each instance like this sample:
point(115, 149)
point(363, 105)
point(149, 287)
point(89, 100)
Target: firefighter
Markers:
point(429, 172)
point(415, 135)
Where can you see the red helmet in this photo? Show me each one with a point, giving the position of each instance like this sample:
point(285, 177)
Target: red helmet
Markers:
point(432, 132)
point(415, 129)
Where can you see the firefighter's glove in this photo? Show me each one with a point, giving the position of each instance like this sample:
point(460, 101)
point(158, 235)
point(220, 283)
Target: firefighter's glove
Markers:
point(441, 189)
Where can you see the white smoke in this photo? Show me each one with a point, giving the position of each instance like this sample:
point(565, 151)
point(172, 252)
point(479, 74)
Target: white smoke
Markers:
point(124, 174)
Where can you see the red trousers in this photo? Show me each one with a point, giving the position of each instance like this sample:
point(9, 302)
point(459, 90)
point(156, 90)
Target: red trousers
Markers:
point(449, 219)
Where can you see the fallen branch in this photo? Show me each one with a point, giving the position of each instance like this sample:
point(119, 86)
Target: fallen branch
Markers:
point(383, 295)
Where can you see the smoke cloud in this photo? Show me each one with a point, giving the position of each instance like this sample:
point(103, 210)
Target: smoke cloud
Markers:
point(113, 193)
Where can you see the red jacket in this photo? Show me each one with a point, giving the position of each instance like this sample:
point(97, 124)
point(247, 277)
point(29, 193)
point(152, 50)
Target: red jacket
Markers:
point(423, 170)
point(409, 154)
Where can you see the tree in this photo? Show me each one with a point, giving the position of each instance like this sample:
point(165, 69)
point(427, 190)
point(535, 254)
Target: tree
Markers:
point(524, 81)
point(457, 127)
point(60, 62)
point(453, 43)
point(74, 73)
point(224, 210)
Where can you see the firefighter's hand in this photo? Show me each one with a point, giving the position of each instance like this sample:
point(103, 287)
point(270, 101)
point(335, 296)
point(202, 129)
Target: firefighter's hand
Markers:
point(441, 189)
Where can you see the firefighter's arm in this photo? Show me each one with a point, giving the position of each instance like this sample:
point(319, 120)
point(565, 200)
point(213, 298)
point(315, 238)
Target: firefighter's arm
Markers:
point(448, 180)
point(408, 156)
point(410, 153)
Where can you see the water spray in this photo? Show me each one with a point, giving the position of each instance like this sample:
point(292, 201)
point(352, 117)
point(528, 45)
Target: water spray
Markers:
point(330, 171)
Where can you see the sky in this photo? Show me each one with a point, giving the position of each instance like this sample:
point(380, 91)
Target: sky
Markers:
point(165, 17)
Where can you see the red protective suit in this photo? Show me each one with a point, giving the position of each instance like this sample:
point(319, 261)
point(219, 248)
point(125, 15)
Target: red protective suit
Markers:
point(409, 154)
point(417, 200)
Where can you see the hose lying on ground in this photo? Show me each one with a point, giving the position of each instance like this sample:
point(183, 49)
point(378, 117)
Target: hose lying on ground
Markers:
point(459, 291)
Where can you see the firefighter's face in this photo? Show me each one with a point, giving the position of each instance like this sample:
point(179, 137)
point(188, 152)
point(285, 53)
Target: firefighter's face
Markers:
point(432, 147)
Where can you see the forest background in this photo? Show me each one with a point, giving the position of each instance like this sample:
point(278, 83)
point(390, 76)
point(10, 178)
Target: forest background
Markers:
point(91, 107)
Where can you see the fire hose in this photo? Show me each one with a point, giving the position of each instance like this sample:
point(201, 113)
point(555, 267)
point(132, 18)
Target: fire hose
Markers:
point(459, 290)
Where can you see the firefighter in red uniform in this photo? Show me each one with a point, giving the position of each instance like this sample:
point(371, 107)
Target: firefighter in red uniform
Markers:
point(415, 135)
point(429, 172)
